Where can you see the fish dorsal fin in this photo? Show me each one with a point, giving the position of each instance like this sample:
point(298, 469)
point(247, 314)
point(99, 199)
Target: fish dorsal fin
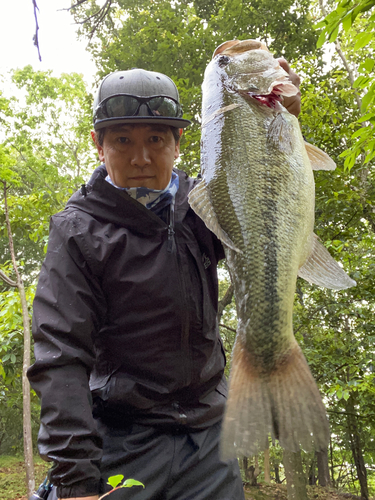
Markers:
point(321, 269)
point(319, 159)
point(201, 204)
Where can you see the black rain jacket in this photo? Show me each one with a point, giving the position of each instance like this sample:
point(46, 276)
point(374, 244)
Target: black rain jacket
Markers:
point(124, 326)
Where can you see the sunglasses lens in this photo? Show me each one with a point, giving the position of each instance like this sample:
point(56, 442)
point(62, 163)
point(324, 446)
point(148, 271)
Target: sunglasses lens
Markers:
point(121, 106)
point(163, 106)
point(126, 105)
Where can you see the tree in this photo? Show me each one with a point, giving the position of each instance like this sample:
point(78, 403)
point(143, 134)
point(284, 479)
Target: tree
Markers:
point(5, 175)
point(352, 15)
point(46, 151)
point(295, 477)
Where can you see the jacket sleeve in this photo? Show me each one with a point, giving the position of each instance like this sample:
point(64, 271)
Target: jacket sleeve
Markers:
point(68, 308)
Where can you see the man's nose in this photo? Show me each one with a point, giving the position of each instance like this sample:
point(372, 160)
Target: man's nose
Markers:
point(141, 157)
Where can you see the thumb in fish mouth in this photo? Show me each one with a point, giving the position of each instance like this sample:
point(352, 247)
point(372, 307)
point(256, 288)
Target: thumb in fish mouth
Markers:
point(292, 103)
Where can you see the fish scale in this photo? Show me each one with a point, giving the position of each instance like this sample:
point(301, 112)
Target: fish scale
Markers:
point(257, 196)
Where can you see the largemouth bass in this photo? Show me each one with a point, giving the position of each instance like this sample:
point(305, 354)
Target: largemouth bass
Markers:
point(257, 196)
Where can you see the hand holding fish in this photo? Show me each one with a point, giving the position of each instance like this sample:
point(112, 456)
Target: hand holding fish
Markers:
point(292, 103)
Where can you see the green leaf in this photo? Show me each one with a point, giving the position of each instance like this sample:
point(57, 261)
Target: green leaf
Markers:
point(132, 482)
point(367, 98)
point(366, 118)
point(361, 82)
point(362, 40)
point(347, 22)
point(367, 65)
point(321, 39)
point(320, 24)
point(114, 481)
point(349, 161)
point(370, 156)
point(334, 34)
point(346, 395)
point(359, 132)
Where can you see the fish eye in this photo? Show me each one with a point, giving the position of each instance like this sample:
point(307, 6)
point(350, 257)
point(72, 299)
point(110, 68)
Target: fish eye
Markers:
point(223, 61)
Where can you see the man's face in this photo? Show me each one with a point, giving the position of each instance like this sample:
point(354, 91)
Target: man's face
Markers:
point(139, 155)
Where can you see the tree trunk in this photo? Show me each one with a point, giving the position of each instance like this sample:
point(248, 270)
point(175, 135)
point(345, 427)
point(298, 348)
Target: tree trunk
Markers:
point(277, 475)
point(323, 469)
point(295, 477)
point(267, 475)
point(311, 476)
point(245, 466)
point(356, 446)
point(251, 472)
point(27, 435)
point(333, 482)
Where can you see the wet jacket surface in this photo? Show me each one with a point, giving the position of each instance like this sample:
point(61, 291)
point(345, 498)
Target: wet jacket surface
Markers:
point(124, 325)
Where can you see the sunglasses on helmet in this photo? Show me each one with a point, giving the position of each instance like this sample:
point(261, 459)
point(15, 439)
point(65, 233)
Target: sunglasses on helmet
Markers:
point(121, 105)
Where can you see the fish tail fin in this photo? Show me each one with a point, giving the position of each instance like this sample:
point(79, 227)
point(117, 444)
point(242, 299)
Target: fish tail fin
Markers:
point(285, 403)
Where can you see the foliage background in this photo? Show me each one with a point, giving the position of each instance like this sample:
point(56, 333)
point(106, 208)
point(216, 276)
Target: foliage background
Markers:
point(45, 154)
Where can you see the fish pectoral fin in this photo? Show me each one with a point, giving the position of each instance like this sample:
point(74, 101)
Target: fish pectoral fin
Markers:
point(281, 134)
point(319, 159)
point(219, 112)
point(201, 204)
point(321, 269)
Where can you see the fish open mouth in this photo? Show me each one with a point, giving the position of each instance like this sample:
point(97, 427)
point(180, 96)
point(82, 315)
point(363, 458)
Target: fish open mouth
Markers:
point(270, 99)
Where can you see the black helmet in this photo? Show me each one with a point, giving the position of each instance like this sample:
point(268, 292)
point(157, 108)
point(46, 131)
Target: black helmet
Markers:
point(137, 96)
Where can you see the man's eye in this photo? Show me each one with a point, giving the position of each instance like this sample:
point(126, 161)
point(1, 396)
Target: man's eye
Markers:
point(155, 139)
point(122, 140)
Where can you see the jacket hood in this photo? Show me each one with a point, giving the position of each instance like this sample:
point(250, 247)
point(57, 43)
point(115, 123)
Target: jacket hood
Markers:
point(105, 202)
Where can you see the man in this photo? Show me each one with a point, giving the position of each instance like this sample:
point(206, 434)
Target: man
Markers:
point(129, 362)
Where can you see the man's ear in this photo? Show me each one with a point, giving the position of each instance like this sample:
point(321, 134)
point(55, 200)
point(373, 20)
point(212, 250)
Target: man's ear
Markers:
point(98, 146)
point(177, 150)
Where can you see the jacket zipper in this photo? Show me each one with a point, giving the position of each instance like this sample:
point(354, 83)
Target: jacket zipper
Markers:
point(185, 324)
point(170, 227)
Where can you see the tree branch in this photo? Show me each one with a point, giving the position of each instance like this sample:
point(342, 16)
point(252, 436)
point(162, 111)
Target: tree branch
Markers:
point(75, 5)
point(226, 300)
point(7, 280)
point(98, 16)
point(227, 327)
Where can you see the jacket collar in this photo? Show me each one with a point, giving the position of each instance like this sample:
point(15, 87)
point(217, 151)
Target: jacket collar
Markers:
point(105, 202)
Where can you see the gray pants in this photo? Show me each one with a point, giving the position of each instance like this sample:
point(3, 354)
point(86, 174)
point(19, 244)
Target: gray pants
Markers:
point(172, 465)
